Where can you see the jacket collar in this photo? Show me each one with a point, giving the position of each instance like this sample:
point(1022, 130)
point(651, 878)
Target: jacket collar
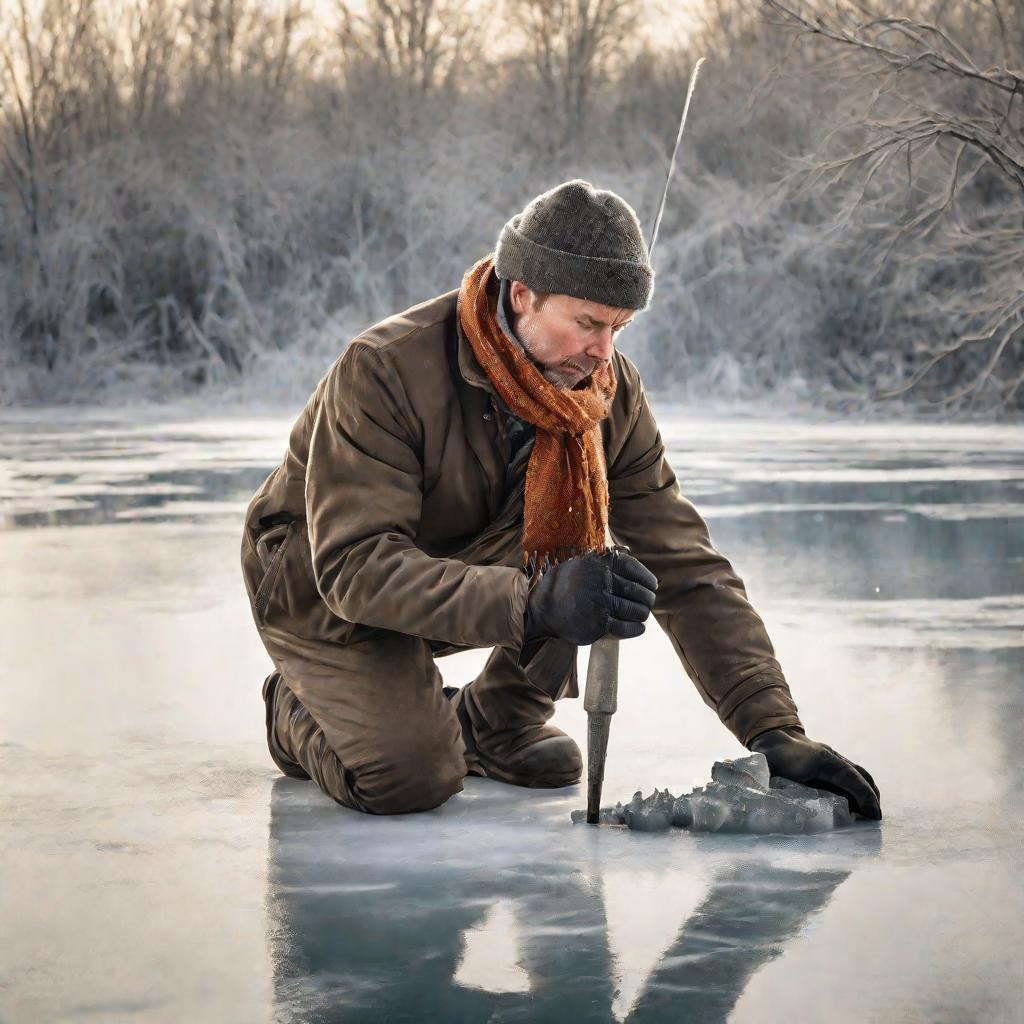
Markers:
point(469, 366)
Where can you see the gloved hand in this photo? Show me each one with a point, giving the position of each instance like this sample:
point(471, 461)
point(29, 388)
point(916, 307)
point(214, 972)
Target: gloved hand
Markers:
point(585, 598)
point(793, 755)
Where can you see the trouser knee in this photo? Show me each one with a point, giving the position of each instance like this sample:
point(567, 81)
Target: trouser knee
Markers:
point(419, 775)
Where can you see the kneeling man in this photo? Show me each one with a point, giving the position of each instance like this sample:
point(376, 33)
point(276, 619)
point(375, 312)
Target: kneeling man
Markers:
point(456, 481)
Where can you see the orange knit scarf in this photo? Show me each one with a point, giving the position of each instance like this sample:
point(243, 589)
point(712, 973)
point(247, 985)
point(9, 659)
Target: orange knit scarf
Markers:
point(565, 509)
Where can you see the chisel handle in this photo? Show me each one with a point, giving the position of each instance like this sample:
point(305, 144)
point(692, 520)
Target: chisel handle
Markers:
point(602, 692)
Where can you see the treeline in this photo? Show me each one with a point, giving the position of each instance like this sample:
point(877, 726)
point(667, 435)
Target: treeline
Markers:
point(218, 194)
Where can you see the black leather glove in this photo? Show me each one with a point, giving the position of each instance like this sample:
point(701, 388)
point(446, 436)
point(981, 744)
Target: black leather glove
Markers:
point(793, 755)
point(585, 598)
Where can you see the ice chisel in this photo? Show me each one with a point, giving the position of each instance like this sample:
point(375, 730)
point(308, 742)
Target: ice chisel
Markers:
point(601, 696)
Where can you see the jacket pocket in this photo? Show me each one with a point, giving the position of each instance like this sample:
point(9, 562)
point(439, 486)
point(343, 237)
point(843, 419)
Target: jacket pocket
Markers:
point(271, 547)
point(282, 588)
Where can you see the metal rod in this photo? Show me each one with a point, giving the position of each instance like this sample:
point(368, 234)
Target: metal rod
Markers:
point(598, 728)
point(600, 700)
point(675, 149)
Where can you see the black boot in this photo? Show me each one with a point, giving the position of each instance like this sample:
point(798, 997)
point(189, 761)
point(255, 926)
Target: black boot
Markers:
point(532, 754)
point(271, 686)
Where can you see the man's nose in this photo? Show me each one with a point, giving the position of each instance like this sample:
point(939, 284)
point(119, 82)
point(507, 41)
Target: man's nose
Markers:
point(602, 344)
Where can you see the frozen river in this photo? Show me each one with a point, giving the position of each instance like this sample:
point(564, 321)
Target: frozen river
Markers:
point(154, 866)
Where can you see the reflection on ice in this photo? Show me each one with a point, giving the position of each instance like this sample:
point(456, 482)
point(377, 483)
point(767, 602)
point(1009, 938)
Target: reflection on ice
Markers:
point(987, 623)
point(837, 450)
point(96, 470)
point(74, 476)
point(954, 511)
point(499, 915)
point(645, 911)
point(491, 959)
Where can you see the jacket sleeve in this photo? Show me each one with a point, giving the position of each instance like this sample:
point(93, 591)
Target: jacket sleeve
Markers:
point(364, 492)
point(701, 602)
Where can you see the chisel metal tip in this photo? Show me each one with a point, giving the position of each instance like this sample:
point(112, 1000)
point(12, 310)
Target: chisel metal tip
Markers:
point(598, 727)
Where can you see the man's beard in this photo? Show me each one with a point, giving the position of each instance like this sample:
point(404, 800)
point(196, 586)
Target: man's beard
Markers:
point(565, 375)
point(566, 378)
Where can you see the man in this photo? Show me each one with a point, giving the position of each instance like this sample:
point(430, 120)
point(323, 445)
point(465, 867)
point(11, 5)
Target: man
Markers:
point(452, 484)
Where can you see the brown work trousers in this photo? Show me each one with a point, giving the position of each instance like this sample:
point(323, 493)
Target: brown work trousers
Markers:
point(365, 715)
point(371, 725)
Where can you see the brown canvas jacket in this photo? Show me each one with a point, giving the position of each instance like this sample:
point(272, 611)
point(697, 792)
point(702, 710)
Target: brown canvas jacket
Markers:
point(396, 468)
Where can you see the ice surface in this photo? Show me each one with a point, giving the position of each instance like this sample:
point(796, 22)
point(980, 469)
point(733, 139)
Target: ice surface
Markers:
point(740, 798)
point(609, 815)
point(134, 770)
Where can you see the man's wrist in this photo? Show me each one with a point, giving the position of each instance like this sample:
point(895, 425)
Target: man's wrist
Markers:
point(768, 735)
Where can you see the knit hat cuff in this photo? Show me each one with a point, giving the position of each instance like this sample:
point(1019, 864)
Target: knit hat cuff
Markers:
point(622, 284)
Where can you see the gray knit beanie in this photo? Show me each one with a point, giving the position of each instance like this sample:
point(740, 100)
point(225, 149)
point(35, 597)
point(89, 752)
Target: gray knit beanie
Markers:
point(578, 240)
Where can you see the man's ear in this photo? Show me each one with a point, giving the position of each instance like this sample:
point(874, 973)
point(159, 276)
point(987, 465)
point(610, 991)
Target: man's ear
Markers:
point(519, 296)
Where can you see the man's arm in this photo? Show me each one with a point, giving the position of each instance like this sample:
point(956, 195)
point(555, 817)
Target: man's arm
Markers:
point(701, 604)
point(364, 493)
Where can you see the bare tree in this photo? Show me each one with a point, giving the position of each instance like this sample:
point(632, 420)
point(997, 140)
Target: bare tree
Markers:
point(419, 42)
point(404, 53)
point(937, 106)
point(183, 183)
point(59, 90)
point(242, 52)
point(58, 98)
point(151, 32)
point(571, 47)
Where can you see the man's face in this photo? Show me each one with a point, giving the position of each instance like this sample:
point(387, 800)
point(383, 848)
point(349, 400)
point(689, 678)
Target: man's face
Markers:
point(568, 338)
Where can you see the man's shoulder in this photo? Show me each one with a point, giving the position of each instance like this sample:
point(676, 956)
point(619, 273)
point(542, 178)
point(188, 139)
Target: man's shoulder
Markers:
point(627, 406)
point(405, 352)
point(426, 321)
point(629, 389)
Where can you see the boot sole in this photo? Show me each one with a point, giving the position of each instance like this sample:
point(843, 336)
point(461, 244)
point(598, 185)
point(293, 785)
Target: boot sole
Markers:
point(526, 783)
point(543, 780)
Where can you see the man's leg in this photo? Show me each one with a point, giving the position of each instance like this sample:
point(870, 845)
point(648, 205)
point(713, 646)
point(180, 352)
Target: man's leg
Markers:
point(367, 721)
point(505, 710)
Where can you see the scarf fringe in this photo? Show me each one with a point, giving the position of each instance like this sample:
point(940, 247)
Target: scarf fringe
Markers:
point(537, 563)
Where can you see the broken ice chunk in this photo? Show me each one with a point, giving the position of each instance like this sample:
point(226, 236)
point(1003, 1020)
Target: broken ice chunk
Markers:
point(682, 812)
point(834, 812)
point(740, 798)
point(648, 820)
point(651, 815)
point(841, 813)
point(708, 814)
point(796, 790)
point(743, 771)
